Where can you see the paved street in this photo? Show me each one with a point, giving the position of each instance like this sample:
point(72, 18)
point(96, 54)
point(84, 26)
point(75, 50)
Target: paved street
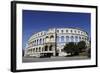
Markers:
point(54, 59)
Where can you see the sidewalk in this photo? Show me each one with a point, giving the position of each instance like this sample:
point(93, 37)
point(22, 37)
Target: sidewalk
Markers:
point(54, 59)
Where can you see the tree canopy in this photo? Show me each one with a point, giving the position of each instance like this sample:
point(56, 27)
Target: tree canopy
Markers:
point(74, 48)
point(81, 45)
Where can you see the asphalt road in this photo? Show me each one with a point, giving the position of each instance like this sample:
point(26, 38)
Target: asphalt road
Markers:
point(26, 60)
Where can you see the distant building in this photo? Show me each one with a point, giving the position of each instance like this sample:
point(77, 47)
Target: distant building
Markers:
point(52, 42)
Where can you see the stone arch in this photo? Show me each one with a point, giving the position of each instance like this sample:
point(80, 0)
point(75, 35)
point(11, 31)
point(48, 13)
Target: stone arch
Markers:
point(52, 36)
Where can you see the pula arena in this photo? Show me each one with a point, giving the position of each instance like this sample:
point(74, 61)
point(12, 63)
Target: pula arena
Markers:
point(52, 41)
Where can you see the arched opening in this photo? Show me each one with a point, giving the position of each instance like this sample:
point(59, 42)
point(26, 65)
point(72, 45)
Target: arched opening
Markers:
point(40, 41)
point(72, 38)
point(37, 41)
point(39, 49)
point(43, 41)
point(33, 49)
point(58, 39)
point(76, 38)
point(36, 49)
point(51, 37)
point(79, 38)
point(42, 49)
point(46, 48)
point(50, 48)
point(47, 39)
point(83, 38)
point(67, 39)
point(62, 38)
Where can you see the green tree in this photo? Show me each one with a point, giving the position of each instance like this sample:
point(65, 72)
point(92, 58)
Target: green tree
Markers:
point(81, 46)
point(76, 49)
point(71, 48)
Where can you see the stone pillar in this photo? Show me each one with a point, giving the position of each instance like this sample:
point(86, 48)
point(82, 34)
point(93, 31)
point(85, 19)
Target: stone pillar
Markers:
point(54, 53)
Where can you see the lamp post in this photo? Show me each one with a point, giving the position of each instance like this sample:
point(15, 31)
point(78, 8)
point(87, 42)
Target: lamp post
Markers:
point(56, 43)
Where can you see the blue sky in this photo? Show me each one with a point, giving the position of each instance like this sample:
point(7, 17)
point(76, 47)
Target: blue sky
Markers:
point(35, 21)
